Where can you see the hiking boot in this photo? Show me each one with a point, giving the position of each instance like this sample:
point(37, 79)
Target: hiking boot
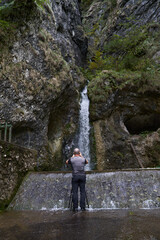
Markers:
point(83, 209)
point(75, 209)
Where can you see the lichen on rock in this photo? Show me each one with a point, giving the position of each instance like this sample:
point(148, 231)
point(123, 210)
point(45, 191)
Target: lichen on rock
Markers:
point(124, 81)
point(39, 73)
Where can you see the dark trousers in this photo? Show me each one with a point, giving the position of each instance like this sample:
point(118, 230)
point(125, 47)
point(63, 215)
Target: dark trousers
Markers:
point(78, 180)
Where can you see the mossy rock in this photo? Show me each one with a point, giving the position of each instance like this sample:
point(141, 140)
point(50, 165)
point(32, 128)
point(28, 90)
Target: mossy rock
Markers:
point(107, 82)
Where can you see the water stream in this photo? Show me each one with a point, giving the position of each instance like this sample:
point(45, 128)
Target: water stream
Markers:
point(84, 131)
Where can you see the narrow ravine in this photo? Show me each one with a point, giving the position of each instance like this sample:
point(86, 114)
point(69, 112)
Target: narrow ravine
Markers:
point(84, 130)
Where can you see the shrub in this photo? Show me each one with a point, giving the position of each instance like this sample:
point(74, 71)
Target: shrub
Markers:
point(107, 82)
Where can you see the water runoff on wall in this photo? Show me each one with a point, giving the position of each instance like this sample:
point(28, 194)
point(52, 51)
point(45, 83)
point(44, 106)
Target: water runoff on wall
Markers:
point(84, 128)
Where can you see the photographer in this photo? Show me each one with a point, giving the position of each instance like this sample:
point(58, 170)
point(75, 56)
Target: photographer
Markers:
point(78, 162)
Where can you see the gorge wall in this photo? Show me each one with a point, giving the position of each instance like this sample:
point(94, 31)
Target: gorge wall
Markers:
point(41, 49)
point(124, 87)
point(41, 54)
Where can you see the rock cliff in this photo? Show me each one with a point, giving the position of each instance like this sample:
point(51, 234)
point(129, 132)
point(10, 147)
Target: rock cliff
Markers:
point(124, 87)
point(41, 52)
point(41, 49)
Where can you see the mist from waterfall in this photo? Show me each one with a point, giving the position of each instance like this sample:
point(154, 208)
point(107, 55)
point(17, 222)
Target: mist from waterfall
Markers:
point(84, 130)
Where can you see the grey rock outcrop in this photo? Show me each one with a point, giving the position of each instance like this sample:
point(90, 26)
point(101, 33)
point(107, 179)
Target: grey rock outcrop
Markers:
point(15, 162)
point(128, 114)
point(40, 78)
point(123, 117)
point(105, 18)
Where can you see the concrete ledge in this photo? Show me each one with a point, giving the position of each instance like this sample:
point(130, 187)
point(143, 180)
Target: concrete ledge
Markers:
point(106, 190)
point(104, 171)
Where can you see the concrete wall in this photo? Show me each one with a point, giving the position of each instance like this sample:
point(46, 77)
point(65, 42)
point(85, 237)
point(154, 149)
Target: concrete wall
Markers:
point(119, 189)
point(15, 162)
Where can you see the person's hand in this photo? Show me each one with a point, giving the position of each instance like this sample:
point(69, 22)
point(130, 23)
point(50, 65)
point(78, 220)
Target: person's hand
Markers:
point(67, 161)
point(80, 154)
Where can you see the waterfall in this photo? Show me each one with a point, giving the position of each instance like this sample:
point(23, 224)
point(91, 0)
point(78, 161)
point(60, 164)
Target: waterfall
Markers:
point(84, 130)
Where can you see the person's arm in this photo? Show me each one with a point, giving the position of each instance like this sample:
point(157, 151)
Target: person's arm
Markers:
point(68, 161)
point(80, 154)
point(86, 161)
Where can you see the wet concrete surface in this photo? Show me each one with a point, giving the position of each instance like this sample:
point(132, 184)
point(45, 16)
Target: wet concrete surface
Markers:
point(89, 225)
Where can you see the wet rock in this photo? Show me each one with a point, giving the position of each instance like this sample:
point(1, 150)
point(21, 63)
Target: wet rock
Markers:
point(109, 190)
point(121, 116)
point(40, 78)
point(103, 19)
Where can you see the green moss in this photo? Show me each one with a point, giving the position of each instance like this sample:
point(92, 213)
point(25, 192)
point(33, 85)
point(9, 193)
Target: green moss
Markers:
point(109, 81)
point(125, 61)
point(112, 4)
point(145, 133)
point(68, 129)
point(86, 3)
point(133, 51)
point(93, 149)
point(154, 155)
point(119, 155)
point(5, 204)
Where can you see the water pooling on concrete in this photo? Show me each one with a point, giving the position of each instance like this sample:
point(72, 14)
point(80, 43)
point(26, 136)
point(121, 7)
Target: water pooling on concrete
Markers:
point(129, 189)
point(101, 225)
point(84, 131)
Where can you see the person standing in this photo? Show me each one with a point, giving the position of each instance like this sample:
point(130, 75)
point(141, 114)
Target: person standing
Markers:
point(78, 162)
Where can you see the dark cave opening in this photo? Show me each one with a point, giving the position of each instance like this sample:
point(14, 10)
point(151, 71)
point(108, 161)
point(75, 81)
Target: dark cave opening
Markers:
point(143, 123)
point(22, 136)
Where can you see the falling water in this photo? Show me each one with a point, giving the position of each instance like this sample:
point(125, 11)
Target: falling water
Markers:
point(131, 189)
point(83, 140)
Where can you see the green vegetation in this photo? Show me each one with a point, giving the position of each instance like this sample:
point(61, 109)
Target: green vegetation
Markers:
point(12, 12)
point(111, 3)
point(127, 59)
point(129, 50)
point(109, 81)
point(145, 133)
point(12, 16)
point(5, 204)
point(86, 3)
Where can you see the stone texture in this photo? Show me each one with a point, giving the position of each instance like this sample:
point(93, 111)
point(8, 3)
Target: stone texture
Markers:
point(128, 113)
point(40, 79)
point(105, 18)
point(125, 115)
point(108, 190)
point(15, 162)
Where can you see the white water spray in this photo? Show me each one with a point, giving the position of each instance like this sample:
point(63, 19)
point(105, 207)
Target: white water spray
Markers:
point(83, 140)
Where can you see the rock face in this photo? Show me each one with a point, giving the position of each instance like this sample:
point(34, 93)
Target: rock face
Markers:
point(15, 162)
point(105, 18)
point(109, 190)
point(123, 116)
point(124, 107)
point(41, 52)
point(39, 75)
